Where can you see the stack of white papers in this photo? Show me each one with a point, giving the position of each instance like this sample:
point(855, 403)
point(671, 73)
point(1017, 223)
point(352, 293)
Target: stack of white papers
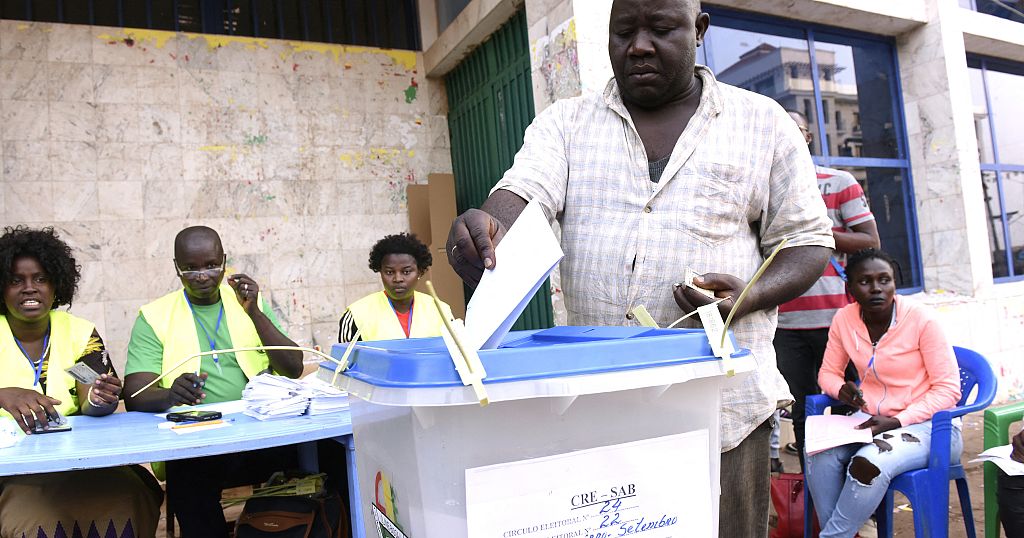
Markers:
point(1000, 455)
point(823, 432)
point(324, 398)
point(270, 396)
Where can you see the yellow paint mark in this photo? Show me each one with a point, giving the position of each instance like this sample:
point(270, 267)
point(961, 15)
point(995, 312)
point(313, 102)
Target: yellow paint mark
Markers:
point(216, 149)
point(217, 41)
point(571, 30)
point(404, 58)
point(411, 153)
point(158, 38)
point(24, 26)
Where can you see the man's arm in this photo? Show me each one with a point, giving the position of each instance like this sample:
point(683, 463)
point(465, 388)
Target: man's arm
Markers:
point(861, 236)
point(145, 358)
point(790, 274)
point(284, 362)
point(476, 233)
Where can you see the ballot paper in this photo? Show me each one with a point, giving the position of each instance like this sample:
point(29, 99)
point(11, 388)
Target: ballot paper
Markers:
point(823, 432)
point(269, 396)
point(525, 257)
point(1000, 455)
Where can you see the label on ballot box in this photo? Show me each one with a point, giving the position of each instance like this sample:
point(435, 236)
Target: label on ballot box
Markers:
point(657, 488)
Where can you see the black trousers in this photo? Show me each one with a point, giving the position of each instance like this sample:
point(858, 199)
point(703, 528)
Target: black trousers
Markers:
point(798, 354)
point(194, 485)
point(1011, 504)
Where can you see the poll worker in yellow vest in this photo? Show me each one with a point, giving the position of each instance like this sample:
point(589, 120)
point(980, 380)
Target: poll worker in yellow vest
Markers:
point(37, 343)
point(207, 313)
point(398, 311)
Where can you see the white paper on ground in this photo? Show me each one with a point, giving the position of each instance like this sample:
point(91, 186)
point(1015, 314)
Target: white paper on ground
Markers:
point(1000, 455)
point(823, 432)
point(525, 257)
point(615, 490)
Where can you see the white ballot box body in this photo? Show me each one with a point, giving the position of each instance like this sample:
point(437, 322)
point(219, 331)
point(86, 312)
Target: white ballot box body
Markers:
point(556, 393)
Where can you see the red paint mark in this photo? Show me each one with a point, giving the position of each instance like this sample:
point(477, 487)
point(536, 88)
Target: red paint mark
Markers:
point(348, 66)
point(129, 41)
point(173, 56)
point(186, 57)
point(111, 42)
point(295, 67)
point(151, 61)
point(413, 83)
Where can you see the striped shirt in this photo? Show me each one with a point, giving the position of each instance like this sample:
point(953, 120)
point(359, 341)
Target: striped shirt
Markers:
point(847, 207)
point(739, 180)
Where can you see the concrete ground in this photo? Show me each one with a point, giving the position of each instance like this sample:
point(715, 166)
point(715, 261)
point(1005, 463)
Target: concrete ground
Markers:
point(973, 437)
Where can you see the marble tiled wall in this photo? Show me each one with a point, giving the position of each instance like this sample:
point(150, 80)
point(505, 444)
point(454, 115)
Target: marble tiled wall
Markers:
point(297, 153)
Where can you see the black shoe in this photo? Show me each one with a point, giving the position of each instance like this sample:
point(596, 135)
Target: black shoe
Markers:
point(776, 465)
point(791, 448)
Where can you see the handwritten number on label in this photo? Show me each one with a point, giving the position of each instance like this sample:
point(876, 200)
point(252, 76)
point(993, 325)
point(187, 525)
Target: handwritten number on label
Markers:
point(610, 506)
point(609, 521)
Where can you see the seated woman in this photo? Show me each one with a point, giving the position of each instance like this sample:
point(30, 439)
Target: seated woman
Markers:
point(908, 372)
point(398, 311)
point(37, 344)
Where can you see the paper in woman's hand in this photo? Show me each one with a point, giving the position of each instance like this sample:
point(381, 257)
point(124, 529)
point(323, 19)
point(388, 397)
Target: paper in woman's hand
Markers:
point(1000, 455)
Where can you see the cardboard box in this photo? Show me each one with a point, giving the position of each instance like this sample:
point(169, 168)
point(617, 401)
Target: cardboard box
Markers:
point(431, 212)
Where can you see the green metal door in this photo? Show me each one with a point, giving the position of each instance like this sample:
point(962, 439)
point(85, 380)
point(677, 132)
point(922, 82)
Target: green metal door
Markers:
point(490, 104)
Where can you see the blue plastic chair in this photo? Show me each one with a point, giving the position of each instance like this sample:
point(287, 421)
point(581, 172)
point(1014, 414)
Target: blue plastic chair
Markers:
point(928, 488)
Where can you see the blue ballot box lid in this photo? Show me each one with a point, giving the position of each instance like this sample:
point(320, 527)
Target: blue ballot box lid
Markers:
point(526, 355)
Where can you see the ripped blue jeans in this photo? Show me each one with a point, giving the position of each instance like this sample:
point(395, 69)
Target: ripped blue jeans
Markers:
point(843, 503)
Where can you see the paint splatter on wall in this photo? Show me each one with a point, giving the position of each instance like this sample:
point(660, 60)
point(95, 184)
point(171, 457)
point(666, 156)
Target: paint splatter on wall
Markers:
point(555, 55)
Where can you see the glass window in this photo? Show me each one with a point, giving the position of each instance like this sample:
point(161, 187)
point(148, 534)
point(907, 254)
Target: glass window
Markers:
point(1004, 92)
point(847, 90)
point(856, 76)
point(981, 125)
point(764, 63)
point(996, 87)
point(1007, 9)
point(887, 193)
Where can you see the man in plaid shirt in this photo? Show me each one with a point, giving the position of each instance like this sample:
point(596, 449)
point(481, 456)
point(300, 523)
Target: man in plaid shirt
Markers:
point(668, 169)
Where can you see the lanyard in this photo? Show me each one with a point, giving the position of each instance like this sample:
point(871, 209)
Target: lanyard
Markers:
point(212, 340)
point(411, 301)
point(37, 367)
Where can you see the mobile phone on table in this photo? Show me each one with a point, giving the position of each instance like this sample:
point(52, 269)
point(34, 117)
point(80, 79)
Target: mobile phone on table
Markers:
point(193, 416)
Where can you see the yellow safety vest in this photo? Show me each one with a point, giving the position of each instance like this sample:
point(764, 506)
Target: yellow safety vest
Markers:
point(172, 321)
point(377, 320)
point(69, 335)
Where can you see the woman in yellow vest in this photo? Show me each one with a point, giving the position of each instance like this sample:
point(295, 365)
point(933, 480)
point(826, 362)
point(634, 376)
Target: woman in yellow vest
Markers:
point(37, 343)
point(398, 311)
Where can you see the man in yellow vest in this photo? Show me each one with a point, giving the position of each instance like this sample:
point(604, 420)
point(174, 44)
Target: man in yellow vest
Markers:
point(205, 315)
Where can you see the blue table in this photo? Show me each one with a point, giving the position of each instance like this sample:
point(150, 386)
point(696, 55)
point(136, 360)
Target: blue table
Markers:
point(130, 438)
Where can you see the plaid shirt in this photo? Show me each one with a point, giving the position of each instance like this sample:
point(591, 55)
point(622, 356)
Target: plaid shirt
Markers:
point(740, 179)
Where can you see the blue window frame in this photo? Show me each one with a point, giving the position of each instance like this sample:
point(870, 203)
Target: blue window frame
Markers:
point(376, 23)
point(996, 87)
point(847, 84)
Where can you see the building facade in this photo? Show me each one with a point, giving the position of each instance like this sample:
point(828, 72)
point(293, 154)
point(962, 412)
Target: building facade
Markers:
point(917, 99)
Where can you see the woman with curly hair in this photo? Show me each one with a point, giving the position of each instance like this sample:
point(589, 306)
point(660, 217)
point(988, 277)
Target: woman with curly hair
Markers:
point(37, 343)
point(398, 311)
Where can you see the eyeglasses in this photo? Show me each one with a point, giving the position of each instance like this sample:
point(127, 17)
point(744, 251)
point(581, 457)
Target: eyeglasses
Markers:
point(803, 129)
point(209, 272)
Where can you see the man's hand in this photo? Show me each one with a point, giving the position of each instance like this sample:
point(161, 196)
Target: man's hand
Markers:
point(878, 424)
point(471, 242)
point(723, 285)
point(105, 391)
point(246, 290)
point(28, 407)
point(851, 395)
point(1018, 447)
point(188, 389)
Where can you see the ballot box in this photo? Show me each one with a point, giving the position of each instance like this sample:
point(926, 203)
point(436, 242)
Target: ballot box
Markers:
point(589, 431)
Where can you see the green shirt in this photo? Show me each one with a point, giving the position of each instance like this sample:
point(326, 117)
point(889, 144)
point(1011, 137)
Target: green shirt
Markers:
point(145, 352)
